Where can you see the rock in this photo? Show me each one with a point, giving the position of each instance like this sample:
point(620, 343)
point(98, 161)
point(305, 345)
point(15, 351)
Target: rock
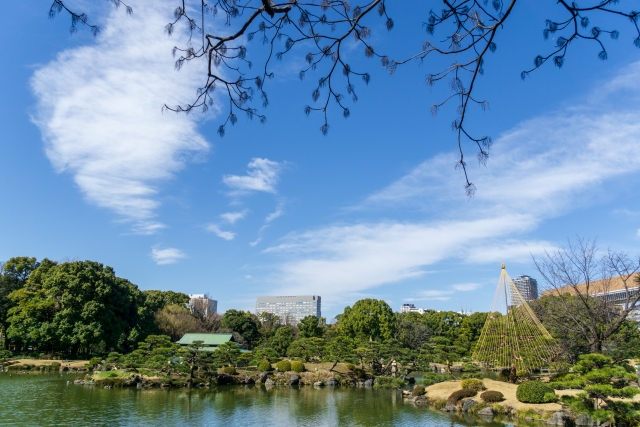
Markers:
point(360, 383)
point(165, 385)
point(406, 393)
point(263, 377)
point(269, 382)
point(249, 380)
point(558, 419)
point(487, 412)
point(139, 385)
point(468, 404)
point(420, 400)
point(368, 383)
point(585, 420)
point(318, 384)
point(332, 382)
point(294, 380)
point(450, 407)
point(410, 380)
point(78, 382)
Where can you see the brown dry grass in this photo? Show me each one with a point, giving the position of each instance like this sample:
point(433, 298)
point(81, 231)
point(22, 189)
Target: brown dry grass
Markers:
point(444, 390)
point(74, 364)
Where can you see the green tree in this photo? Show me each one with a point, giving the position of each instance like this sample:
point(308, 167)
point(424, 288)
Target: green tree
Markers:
point(307, 349)
point(603, 381)
point(340, 349)
point(75, 305)
point(227, 354)
point(175, 321)
point(13, 275)
point(310, 327)
point(242, 323)
point(282, 339)
point(369, 319)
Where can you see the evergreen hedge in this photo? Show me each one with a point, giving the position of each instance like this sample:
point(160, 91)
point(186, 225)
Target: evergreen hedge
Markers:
point(535, 392)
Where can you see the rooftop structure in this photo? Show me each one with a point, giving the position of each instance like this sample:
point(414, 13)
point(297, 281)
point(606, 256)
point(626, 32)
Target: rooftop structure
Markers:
point(202, 304)
point(410, 308)
point(209, 341)
point(290, 309)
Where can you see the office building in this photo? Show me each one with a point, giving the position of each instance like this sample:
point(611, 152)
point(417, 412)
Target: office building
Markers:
point(290, 309)
point(410, 308)
point(201, 304)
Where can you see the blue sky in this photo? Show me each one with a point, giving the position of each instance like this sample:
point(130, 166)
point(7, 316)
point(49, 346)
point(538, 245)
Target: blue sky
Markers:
point(92, 169)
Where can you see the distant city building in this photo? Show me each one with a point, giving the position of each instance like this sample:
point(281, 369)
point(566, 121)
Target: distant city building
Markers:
point(202, 304)
point(410, 308)
point(528, 288)
point(290, 309)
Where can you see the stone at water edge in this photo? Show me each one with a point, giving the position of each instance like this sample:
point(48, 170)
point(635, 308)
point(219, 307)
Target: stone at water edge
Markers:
point(269, 382)
point(332, 382)
point(558, 419)
point(368, 383)
point(419, 400)
point(294, 380)
point(450, 407)
point(487, 412)
point(318, 384)
point(468, 404)
point(263, 377)
point(585, 420)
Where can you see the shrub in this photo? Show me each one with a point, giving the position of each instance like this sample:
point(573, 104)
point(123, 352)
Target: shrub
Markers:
point(283, 366)
point(297, 366)
point(418, 390)
point(492, 396)
point(535, 392)
point(440, 403)
point(229, 370)
point(5, 354)
point(499, 409)
point(460, 394)
point(473, 384)
point(92, 363)
point(264, 366)
point(351, 366)
point(523, 375)
point(477, 407)
point(388, 382)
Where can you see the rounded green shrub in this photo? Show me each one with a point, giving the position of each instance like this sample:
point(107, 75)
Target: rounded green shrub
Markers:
point(264, 366)
point(283, 366)
point(460, 394)
point(229, 370)
point(535, 392)
point(473, 384)
point(351, 366)
point(297, 366)
point(492, 396)
point(418, 390)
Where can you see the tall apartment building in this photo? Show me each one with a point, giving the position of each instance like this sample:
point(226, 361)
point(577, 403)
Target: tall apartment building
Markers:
point(293, 308)
point(528, 287)
point(202, 304)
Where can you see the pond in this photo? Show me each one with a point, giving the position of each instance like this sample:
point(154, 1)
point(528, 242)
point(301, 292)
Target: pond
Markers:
point(41, 400)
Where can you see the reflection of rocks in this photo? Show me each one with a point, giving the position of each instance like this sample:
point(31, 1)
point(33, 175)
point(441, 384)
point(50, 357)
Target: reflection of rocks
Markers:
point(468, 404)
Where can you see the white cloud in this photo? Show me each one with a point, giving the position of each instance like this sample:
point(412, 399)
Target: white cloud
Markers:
point(539, 170)
point(166, 256)
point(99, 111)
point(466, 286)
point(226, 235)
point(275, 214)
point(247, 276)
point(255, 242)
point(232, 217)
point(263, 175)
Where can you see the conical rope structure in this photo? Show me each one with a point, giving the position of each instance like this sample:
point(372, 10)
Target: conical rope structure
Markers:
point(512, 335)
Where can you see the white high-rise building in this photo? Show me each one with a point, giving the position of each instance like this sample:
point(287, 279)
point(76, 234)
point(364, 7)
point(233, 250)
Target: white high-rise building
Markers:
point(410, 308)
point(290, 308)
point(527, 286)
point(202, 304)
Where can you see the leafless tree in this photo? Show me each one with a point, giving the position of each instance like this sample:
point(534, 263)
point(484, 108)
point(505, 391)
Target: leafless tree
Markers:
point(591, 294)
point(321, 31)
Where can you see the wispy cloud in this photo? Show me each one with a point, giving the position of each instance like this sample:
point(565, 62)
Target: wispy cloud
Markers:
point(215, 229)
point(255, 242)
point(541, 169)
point(166, 256)
point(99, 111)
point(277, 213)
point(232, 217)
point(262, 175)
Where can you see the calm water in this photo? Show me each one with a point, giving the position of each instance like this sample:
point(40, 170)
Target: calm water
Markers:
point(39, 400)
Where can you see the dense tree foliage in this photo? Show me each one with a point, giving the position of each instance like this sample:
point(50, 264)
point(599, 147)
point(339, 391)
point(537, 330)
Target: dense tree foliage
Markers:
point(368, 319)
point(242, 323)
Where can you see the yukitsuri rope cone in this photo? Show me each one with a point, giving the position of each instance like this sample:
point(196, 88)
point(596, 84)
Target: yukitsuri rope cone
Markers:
point(513, 336)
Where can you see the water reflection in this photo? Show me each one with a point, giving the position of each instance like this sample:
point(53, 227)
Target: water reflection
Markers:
point(49, 401)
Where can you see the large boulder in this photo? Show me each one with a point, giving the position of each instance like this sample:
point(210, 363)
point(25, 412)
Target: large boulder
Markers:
point(368, 383)
point(294, 380)
point(449, 407)
point(419, 400)
point(468, 404)
point(558, 419)
point(332, 382)
point(585, 420)
point(263, 377)
point(486, 412)
point(224, 379)
point(318, 384)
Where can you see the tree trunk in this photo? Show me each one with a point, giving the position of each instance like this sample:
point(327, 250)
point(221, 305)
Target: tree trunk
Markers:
point(596, 346)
